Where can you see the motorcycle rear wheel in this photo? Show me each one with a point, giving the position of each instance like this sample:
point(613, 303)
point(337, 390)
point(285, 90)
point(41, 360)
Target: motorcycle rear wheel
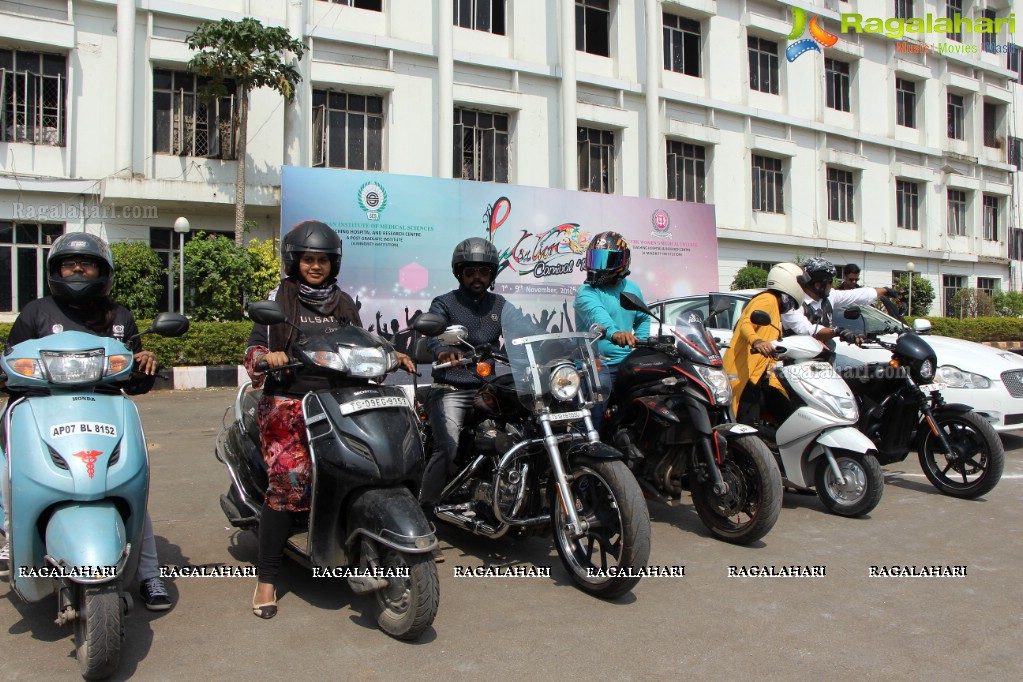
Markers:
point(617, 542)
point(750, 508)
point(99, 629)
point(862, 490)
point(408, 605)
point(979, 456)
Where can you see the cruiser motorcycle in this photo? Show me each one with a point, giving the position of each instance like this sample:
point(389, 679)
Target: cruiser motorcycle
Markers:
point(529, 459)
point(367, 460)
point(671, 413)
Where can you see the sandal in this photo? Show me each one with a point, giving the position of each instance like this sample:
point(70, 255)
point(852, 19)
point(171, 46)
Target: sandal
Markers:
point(266, 610)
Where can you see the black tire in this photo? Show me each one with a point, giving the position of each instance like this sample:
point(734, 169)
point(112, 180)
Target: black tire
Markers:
point(99, 629)
point(863, 489)
point(752, 504)
point(979, 457)
point(408, 605)
point(608, 497)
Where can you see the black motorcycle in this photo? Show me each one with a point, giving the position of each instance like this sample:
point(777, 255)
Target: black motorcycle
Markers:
point(901, 408)
point(365, 522)
point(671, 412)
point(529, 459)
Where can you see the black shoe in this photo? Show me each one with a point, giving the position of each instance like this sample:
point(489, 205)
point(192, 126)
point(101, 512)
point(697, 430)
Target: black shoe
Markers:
point(154, 595)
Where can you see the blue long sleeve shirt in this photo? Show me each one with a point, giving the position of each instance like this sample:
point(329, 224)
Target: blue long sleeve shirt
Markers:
point(600, 305)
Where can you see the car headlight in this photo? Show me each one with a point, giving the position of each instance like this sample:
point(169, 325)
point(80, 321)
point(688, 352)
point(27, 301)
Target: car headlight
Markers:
point(355, 362)
point(565, 381)
point(60, 367)
point(718, 382)
point(842, 406)
point(953, 377)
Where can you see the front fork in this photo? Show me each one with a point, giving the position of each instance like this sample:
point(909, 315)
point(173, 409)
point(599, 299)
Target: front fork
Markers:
point(928, 413)
point(576, 525)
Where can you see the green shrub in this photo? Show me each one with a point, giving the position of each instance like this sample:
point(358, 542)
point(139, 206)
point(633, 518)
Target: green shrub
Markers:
point(1008, 303)
point(971, 303)
point(137, 278)
point(205, 343)
point(5, 331)
point(923, 292)
point(750, 277)
point(979, 329)
point(216, 274)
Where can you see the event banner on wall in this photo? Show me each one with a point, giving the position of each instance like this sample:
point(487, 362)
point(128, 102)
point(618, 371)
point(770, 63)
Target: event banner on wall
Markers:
point(399, 231)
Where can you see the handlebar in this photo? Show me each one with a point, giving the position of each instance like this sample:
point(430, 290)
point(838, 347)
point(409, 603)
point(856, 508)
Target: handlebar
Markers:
point(262, 366)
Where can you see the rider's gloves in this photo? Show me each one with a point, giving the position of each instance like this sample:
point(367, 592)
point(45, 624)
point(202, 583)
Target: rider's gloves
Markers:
point(846, 335)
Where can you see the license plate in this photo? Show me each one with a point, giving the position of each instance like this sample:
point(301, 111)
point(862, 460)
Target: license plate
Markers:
point(372, 404)
point(566, 416)
point(927, 388)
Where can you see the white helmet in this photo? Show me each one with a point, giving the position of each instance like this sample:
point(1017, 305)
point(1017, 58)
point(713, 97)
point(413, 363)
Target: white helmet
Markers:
point(784, 278)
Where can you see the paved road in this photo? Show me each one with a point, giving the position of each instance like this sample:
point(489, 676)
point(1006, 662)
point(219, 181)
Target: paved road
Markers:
point(705, 625)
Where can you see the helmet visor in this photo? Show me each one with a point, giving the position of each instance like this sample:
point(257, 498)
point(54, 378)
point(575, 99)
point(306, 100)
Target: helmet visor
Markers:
point(604, 259)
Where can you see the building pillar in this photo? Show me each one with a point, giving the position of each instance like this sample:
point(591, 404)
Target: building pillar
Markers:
point(298, 112)
point(569, 122)
point(445, 89)
point(124, 97)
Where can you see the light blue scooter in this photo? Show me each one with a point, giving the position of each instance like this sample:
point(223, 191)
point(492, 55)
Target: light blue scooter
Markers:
point(75, 484)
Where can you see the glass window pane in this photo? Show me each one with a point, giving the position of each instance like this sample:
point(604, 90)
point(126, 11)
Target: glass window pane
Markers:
point(374, 143)
point(356, 152)
point(6, 277)
point(28, 277)
point(336, 139)
point(356, 103)
point(26, 233)
point(374, 105)
point(51, 231)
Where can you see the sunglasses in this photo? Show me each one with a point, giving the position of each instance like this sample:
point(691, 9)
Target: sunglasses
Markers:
point(84, 264)
point(476, 270)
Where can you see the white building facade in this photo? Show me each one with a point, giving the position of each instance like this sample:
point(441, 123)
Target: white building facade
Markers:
point(868, 149)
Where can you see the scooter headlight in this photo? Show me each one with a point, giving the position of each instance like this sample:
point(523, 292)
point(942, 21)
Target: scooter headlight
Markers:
point(717, 380)
point(61, 367)
point(565, 381)
point(841, 405)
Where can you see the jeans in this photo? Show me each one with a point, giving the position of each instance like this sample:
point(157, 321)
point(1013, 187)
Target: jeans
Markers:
point(448, 411)
point(607, 375)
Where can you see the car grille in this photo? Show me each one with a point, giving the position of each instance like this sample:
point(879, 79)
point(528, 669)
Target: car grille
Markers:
point(1013, 381)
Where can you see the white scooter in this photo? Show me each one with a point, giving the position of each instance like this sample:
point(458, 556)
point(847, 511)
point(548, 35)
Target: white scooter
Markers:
point(819, 445)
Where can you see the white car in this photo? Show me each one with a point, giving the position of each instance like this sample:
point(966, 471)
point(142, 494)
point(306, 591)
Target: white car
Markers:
point(988, 379)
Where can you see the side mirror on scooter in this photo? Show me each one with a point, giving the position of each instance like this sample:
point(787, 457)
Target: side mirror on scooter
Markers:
point(271, 312)
point(852, 313)
point(168, 324)
point(760, 318)
point(429, 324)
point(597, 331)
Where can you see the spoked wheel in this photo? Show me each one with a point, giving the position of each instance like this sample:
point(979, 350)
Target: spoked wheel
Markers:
point(750, 507)
point(407, 605)
point(617, 540)
point(862, 489)
point(99, 629)
point(975, 464)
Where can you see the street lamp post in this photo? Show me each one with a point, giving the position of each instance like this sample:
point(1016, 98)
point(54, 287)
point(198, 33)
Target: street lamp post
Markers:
point(911, 266)
point(182, 227)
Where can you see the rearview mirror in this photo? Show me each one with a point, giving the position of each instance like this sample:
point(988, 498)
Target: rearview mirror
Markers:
point(266, 312)
point(429, 324)
point(168, 324)
point(631, 301)
point(453, 335)
point(921, 326)
point(760, 318)
point(852, 313)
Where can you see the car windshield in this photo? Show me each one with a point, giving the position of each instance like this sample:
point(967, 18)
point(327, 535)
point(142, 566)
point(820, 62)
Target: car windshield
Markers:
point(871, 321)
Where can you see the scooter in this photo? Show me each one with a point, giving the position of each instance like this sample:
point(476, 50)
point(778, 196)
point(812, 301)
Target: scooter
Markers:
point(75, 484)
point(365, 523)
point(818, 445)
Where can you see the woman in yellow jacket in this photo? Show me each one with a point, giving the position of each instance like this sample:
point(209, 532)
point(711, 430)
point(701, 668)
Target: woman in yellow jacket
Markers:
point(750, 354)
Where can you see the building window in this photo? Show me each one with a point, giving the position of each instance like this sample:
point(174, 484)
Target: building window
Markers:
point(836, 74)
point(991, 112)
point(374, 5)
point(956, 213)
point(1013, 61)
point(956, 117)
point(184, 124)
point(1015, 152)
point(1016, 243)
point(903, 9)
point(593, 26)
point(764, 265)
point(23, 250)
point(481, 146)
point(989, 285)
point(990, 218)
point(480, 15)
point(951, 284)
point(348, 130)
point(681, 45)
point(989, 41)
point(768, 181)
point(164, 241)
point(840, 195)
point(905, 103)
point(596, 160)
point(763, 65)
point(954, 8)
point(687, 171)
point(33, 93)
point(907, 200)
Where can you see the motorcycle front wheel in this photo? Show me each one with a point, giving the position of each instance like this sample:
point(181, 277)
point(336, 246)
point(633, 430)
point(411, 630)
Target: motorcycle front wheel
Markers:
point(976, 463)
point(408, 604)
point(99, 629)
point(752, 503)
point(603, 560)
point(861, 492)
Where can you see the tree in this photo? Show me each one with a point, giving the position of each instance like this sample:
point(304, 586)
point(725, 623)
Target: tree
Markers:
point(247, 53)
point(971, 303)
point(1008, 303)
point(923, 293)
point(266, 269)
point(750, 277)
point(217, 273)
point(137, 278)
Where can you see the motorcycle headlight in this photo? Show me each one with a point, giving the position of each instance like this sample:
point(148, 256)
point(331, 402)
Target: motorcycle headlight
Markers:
point(565, 381)
point(355, 362)
point(924, 372)
point(61, 367)
point(953, 377)
point(718, 382)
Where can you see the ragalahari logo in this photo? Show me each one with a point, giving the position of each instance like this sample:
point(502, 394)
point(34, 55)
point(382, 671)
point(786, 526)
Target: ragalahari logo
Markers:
point(818, 36)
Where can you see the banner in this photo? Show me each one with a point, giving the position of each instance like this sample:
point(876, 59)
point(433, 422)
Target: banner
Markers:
point(399, 231)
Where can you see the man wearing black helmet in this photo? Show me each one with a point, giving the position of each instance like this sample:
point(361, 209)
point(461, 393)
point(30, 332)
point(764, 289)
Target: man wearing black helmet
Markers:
point(80, 274)
point(474, 263)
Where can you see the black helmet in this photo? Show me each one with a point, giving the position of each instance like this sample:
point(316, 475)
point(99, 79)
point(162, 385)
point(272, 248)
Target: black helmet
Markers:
point(608, 258)
point(474, 251)
point(310, 236)
point(78, 288)
point(817, 270)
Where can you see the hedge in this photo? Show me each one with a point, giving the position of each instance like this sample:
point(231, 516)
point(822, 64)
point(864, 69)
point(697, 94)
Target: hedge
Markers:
point(979, 329)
